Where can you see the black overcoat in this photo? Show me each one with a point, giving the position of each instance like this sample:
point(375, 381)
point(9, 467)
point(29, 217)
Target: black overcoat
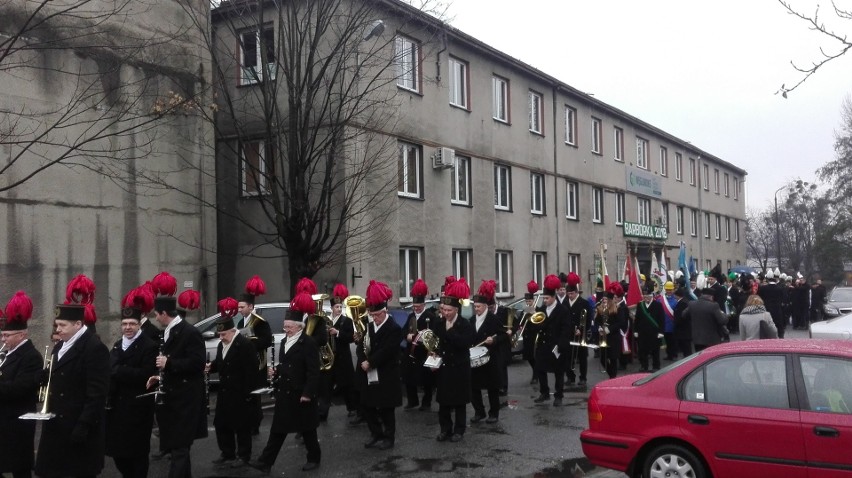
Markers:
point(384, 358)
point(414, 356)
point(453, 379)
point(260, 334)
point(237, 378)
point(20, 376)
point(342, 372)
point(529, 333)
point(683, 326)
point(72, 443)
point(297, 376)
point(579, 321)
point(488, 376)
point(130, 419)
point(152, 331)
point(554, 331)
point(182, 417)
point(647, 328)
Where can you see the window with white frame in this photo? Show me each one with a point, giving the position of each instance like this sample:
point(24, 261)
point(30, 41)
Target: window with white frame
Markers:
point(570, 125)
point(252, 55)
point(727, 185)
point(597, 205)
point(641, 153)
point(718, 227)
point(664, 215)
point(573, 263)
point(728, 229)
point(500, 102)
point(716, 181)
point(410, 268)
point(503, 269)
point(692, 171)
point(502, 187)
point(706, 179)
point(678, 167)
point(410, 172)
point(664, 161)
point(537, 193)
point(253, 161)
point(619, 209)
point(459, 83)
point(708, 264)
point(644, 210)
point(729, 265)
point(679, 220)
point(618, 143)
point(461, 263)
point(573, 196)
point(707, 225)
point(736, 230)
point(539, 267)
point(536, 113)
point(693, 223)
point(461, 181)
point(596, 135)
point(736, 188)
point(407, 55)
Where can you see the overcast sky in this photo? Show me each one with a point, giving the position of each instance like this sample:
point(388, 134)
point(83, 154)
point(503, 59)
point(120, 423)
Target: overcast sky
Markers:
point(706, 72)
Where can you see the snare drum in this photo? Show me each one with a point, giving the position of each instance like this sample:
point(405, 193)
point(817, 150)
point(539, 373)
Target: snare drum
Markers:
point(479, 356)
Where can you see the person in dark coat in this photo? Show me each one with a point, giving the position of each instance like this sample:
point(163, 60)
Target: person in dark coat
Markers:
point(529, 330)
point(800, 303)
point(552, 343)
point(489, 332)
point(181, 417)
point(72, 442)
point(455, 337)
point(612, 325)
point(236, 364)
point(818, 294)
point(296, 382)
point(503, 352)
point(415, 374)
point(706, 318)
point(341, 334)
point(20, 375)
point(260, 335)
point(650, 318)
point(129, 419)
point(683, 325)
point(579, 318)
point(149, 329)
point(773, 298)
point(378, 369)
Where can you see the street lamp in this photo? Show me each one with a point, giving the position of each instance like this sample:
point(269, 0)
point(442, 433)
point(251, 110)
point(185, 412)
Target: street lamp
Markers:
point(778, 230)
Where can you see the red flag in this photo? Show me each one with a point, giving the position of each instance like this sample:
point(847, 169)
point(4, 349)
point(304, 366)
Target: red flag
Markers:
point(634, 289)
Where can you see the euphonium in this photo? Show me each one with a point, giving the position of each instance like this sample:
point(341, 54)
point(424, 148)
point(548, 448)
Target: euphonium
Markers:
point(43, 392)
point(355, 307)
point(430, 340)
point(326, 351)
point(538, 318)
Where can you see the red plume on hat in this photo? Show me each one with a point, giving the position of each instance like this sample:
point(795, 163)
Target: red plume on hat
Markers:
point(164, 284)
point(340, 291)
point(89, 316)
point(615, 289)
point(458, 289)
point(19, 309)
point(532, 287)
point(378, 293)
point(141, 298)
point(573, 279)
point(307, 286)
point(448, 280)
point(255, 286)
point(81, 291)
point(303, 303)
point(419, 289)
point(487, 289)
point(228, 307)
point(552, 282)
point(190, 299)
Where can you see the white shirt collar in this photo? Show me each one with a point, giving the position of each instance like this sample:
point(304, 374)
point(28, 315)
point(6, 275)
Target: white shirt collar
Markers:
point(169, 327)
point(66, 346)
point(126, 343)
point(291, 340)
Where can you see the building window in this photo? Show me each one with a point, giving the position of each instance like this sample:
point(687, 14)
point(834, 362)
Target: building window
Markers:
point(716, 181)
point(573, 263)
point(410, 268)
point(679, 219)
point(500, 104)
point(596, 135)
point(728, 229)
point(537, 193)
point(573, 203)
point(664, 215)
point(736, 230)
point(461, 181)
point(570, 125)
point(693, 223)
point(706, 183)
point(736, 188)
point(539, 267)
point(503, 263)
point(618, 143)
point(407, 63)
point(692, 171)
point(502, 187)
point(718, 228)
point(708, 264)
point(461, 263)
point(410, 168)
point(251, 56)
point(727, 185)
point(253, 168)
point(641, 153)
point(707, 225)
point(597, 205)
point(536, 113)
point(664, 161)
point(459, 83)
point(644, 210)
point(619, 208)
point(678, 166)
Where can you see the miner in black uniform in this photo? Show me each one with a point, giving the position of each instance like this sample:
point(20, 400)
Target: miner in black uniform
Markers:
point(260, 335)
point(580, 324)
point(341, 332)
point(416, 374)
point(455, 337)
point(489, 332)
point(552, 342)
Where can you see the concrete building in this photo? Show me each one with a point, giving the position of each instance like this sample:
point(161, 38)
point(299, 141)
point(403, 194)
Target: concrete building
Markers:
point(506, 172)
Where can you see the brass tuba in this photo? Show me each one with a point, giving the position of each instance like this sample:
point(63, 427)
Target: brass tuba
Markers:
point(538, 318)
point(326, 351)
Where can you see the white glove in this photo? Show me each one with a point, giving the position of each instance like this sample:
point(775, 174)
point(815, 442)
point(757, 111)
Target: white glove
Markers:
point(606, 330)
point(636, 334)
point(659, 336)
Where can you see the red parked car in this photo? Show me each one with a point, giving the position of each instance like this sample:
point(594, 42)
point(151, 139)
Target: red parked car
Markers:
point(759, 408)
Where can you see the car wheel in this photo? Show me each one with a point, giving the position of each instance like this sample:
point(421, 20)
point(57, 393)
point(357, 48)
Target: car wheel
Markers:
point(670, 461)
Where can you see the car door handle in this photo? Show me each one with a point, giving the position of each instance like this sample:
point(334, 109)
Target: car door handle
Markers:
point(698, 420)
point(826, 432)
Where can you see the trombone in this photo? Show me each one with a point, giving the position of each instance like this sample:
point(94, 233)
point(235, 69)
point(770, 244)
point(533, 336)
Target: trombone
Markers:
point(43, 391)
point(523, 323)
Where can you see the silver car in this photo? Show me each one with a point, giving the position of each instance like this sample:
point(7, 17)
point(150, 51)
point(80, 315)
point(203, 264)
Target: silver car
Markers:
point(838, 302)
point(835, 328)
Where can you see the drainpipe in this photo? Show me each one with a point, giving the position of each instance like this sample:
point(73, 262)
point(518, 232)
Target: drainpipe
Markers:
point(555, 177)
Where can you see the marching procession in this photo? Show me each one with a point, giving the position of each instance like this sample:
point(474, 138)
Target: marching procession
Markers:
point(94, 401)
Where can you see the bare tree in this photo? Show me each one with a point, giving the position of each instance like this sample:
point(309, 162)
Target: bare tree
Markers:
point(760, 236)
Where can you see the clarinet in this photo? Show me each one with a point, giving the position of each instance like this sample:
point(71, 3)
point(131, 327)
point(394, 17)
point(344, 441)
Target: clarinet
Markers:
point(207, 385)
point(158, 396)
point(273, 378)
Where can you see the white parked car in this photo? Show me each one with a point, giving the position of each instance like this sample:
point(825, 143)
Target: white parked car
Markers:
point(836, 328)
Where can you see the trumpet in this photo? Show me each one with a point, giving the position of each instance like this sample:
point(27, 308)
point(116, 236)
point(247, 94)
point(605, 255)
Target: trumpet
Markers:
point(43, 392)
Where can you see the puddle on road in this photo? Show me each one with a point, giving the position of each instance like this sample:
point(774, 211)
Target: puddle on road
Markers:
point(401, 464)
point(573, 468)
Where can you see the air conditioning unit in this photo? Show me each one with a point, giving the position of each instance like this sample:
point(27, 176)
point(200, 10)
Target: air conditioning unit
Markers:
point(444, 158)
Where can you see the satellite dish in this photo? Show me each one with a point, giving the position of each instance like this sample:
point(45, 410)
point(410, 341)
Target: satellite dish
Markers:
point(374, 30)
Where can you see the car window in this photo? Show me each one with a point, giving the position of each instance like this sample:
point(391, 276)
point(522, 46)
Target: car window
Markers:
point(748, 380)
point(827, 383)
point(668, 368)
point(207, 325)
point(841, 295)
point(274, 316)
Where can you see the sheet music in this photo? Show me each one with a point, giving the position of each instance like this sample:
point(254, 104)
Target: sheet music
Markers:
point(372, 376)
point(556, 351)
